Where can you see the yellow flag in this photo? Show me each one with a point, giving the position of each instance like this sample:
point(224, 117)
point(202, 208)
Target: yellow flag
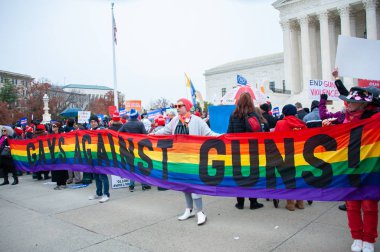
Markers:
point(187, 81)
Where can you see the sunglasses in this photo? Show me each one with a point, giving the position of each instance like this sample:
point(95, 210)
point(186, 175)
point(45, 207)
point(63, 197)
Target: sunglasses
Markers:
point(4, 130)
point(179, 105)
point(55, 126)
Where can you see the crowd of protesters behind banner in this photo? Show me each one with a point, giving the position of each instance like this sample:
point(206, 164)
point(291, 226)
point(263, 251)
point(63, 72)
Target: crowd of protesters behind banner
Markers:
point(360, 103)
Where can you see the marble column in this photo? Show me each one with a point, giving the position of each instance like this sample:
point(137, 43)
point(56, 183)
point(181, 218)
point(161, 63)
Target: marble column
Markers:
point(314, 40)
point(345, 28)
point(305, 50)
point(295, 58)
point(371, 20)
point(325, 45)
point(345, 22)
point(288, 66)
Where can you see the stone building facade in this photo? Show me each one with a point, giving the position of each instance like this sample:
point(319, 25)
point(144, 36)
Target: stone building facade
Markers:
point(310, 34)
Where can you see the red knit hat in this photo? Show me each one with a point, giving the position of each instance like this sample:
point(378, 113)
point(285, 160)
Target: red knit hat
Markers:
point(116, 116)
point(40, 127)
point(28, 129)
point(160, 120)
point(18, 131)
point(187, 103)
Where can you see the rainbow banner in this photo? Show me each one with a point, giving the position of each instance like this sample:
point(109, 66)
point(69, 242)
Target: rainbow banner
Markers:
point(331, 163)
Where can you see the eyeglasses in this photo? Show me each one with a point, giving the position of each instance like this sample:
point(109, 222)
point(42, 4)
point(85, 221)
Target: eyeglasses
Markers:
point(4, 130)
point(179, 105)
point(55, 126)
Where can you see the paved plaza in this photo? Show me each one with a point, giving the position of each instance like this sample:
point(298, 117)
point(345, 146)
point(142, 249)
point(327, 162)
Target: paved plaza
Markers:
point(34, 217)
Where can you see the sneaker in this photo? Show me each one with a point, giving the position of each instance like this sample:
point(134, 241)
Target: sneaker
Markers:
point(78, 182)
point(189, 213)
point(357, 246)
point(105, 198)
point(63, 187)
point(368, 247)
point(57, 188)
point(131, 188)
point(92, 197)
point(201, 218)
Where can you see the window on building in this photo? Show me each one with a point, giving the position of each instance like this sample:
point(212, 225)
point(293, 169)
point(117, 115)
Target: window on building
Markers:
point(272, 85)
point(283, 86)
point(2, 79)
point(223, 91)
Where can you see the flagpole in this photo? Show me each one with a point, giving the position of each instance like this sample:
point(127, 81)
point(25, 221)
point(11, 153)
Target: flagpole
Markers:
point(187, 80)
point(116, 102)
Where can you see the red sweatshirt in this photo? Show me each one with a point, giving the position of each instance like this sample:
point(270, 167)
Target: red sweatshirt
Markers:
point(289, 123)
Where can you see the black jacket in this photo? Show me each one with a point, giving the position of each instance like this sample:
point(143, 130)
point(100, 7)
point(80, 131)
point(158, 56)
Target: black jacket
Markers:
point(239, 125)
point(271, 120)
point(115, 126)
point(133, 126)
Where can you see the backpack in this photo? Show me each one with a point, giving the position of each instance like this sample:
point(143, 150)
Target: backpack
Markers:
point(252, 124)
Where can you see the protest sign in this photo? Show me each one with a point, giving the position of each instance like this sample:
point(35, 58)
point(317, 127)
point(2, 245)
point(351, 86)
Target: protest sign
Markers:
point(318, 87)
point(358, 58)
point(119, 182)
point(83, 116)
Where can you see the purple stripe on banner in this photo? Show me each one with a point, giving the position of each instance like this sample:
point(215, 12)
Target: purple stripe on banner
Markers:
point(327, 194)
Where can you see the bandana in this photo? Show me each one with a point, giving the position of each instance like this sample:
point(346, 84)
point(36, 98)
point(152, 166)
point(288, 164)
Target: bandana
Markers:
point(185, 119)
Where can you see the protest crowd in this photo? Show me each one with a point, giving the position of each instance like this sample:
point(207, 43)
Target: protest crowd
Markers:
point(360, 103)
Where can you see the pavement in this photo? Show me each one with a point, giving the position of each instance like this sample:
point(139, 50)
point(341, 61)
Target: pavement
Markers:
point(34, 217)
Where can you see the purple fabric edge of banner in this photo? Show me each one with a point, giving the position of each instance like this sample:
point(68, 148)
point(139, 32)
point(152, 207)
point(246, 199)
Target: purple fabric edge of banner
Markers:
point(326, 194)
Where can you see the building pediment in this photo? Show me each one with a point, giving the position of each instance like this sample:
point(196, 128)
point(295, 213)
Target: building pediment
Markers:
point(280, 3)
point(265, 60)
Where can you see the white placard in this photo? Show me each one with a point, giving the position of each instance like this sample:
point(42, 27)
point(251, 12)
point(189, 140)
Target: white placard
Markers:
point(358, 58)
point(83, 116)
point(119, 182)
point(318, 87)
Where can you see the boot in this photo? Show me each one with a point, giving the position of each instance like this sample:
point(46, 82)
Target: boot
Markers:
point(6, 181)
point(290, 205)
point(15, 181)
point(299, 204)
point(254, 204)
point(201, 218)
point(189, 213)
point(240, 203)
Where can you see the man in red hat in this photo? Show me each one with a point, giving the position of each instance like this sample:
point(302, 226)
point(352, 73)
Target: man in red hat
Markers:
point(115, 122)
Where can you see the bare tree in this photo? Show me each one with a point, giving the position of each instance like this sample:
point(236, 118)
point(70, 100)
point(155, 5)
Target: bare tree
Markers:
point(159, 103)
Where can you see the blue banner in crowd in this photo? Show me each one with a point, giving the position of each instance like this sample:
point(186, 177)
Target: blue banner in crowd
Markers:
point(153, 114)
point(24, 121)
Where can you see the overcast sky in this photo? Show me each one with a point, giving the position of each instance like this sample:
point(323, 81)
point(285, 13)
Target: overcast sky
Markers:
point(70, 41)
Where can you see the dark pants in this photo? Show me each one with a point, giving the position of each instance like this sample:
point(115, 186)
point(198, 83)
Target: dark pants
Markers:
point(45, 173)
point(8, 167)
point(60, 177)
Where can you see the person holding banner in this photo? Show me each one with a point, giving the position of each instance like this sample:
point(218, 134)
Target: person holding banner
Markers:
point(244, 119)
point(134, 126)
point(290, 123)
point(6, 161)
point(362, 214)
point(59, 176)
point(187, 124)
point(102, 183)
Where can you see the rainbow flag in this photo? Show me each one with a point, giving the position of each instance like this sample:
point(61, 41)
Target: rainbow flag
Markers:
point(331, 163)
